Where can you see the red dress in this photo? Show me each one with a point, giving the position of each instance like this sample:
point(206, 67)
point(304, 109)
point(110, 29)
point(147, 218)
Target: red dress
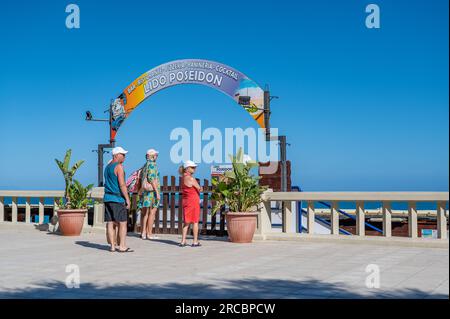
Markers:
point(191, 204)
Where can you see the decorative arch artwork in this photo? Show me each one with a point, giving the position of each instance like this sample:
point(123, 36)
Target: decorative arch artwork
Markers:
point(189, 71)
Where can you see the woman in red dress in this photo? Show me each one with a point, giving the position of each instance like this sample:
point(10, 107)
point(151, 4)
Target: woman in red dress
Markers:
point(191, 201)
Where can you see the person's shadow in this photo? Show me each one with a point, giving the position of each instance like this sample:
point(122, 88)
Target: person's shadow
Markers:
point(93, 245)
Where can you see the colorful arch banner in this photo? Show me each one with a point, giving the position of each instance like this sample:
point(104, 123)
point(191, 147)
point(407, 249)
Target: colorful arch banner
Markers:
point(189, 71)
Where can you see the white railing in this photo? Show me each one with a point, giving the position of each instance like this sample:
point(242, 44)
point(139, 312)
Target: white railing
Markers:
point(41, 196)
point(264, 219)
point(334, 198)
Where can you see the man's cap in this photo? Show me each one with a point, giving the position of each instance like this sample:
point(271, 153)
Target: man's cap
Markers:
point(118, 150)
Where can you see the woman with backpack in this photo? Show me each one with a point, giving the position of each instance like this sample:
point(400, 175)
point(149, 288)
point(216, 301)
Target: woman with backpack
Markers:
point(149, 194)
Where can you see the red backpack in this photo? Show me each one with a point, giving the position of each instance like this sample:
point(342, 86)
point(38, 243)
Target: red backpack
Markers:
point(134, 181)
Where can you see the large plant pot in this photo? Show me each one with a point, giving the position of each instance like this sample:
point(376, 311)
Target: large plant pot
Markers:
point(241, 226)
point(71, 221)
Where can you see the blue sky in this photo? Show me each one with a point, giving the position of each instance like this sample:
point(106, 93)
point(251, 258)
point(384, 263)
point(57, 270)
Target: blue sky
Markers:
point(363, 109)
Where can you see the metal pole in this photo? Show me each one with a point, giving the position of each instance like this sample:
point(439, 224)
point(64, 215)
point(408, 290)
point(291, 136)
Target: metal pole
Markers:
point(267, 112)
point(100, 165)
point(112, 142)
point(100, 150)
point(282, 140)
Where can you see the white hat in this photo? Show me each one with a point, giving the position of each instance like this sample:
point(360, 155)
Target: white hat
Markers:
point(187, 164)
point(152, 151)
point(118, 150)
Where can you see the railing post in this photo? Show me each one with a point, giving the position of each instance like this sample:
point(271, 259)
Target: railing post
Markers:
point(334, 218)
point(2, 209)
point(441, 221)
point(41, 210)
point(387, 219)
point(310, 217)
point(360, 219)
point(287, 217)
point(27, 210)
point(412, 220)
point(98, 214)
point(14, 210)
point(264, 218)
point(86, 219)
point(55, 206)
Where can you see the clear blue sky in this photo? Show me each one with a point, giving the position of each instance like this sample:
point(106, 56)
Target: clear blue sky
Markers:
point(362, 109)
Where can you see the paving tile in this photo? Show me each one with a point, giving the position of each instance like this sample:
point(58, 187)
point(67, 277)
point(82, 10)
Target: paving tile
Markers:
point(33, 265)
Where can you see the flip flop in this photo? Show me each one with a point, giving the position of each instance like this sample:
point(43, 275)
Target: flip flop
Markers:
point(181, 245)
point(128, 250)
point(196, 245)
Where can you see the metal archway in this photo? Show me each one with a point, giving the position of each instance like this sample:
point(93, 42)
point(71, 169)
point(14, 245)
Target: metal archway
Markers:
point(219, 76)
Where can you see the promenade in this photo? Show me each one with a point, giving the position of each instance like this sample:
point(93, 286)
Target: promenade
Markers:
point(33, 265)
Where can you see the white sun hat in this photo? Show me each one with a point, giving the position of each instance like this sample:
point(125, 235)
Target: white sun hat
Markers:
point(118, 150)
point(152, 152)
point(187, 164)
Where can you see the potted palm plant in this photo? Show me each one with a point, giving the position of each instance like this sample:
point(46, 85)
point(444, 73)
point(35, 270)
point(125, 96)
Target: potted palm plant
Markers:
point(73, 207)
point(240, 191)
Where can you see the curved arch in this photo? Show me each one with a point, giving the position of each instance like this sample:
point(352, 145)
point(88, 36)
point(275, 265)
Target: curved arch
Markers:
point(189, 71)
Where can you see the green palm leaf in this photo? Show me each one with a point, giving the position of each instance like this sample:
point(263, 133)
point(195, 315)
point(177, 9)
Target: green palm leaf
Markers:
point(67, 159)
point(76, 166)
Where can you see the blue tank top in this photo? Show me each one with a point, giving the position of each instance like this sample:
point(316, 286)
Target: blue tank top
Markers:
point(112, 189)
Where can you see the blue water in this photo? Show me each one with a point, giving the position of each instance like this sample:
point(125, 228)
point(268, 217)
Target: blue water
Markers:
point(342, 205)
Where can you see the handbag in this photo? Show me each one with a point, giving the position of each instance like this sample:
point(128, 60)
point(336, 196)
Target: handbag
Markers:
point(146, 186)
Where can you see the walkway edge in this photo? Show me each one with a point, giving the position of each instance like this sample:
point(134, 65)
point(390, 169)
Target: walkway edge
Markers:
point(355, 240)
point(373, 240)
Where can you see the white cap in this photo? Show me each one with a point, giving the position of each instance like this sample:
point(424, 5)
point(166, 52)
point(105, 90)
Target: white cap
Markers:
point(152, 152)
point(187, 164)
point(118, 150)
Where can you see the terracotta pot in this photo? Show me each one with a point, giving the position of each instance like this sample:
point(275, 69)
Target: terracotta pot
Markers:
point(71, 221)
point(241, 226)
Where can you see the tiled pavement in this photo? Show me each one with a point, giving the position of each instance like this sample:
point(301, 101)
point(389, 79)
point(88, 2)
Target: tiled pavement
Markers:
point(33, 265)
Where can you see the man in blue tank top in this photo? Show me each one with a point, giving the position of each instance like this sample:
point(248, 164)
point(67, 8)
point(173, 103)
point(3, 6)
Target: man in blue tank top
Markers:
point(116, 199)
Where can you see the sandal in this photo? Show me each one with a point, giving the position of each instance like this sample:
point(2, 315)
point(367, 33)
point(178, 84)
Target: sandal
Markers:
point(182, 244)
point(128, 250)
point(196, 245)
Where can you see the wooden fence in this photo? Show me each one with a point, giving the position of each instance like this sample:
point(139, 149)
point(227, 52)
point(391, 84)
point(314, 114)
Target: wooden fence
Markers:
point(169, 217)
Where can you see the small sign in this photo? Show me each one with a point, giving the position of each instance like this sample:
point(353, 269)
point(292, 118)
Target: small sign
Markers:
point(429, 233)
point(219, 170)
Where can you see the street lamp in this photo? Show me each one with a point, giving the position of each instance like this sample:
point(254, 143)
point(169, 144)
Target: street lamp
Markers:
point(90, 118)
point(100, 150)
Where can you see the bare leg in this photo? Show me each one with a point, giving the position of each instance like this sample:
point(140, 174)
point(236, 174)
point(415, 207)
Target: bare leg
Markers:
point(144, 217)
point(195, 233)
point(107, 234)
point(116, 232)
point(151, 220)
point(110, 233)
point(122, 235)
point(185, 231)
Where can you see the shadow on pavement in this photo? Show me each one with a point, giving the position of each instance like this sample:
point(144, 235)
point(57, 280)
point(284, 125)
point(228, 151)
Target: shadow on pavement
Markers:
point(226, 289)
point(93, 245)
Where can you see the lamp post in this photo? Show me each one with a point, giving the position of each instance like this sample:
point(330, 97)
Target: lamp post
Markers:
point(245, 102)
point(100, 149)
point(281, 139)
